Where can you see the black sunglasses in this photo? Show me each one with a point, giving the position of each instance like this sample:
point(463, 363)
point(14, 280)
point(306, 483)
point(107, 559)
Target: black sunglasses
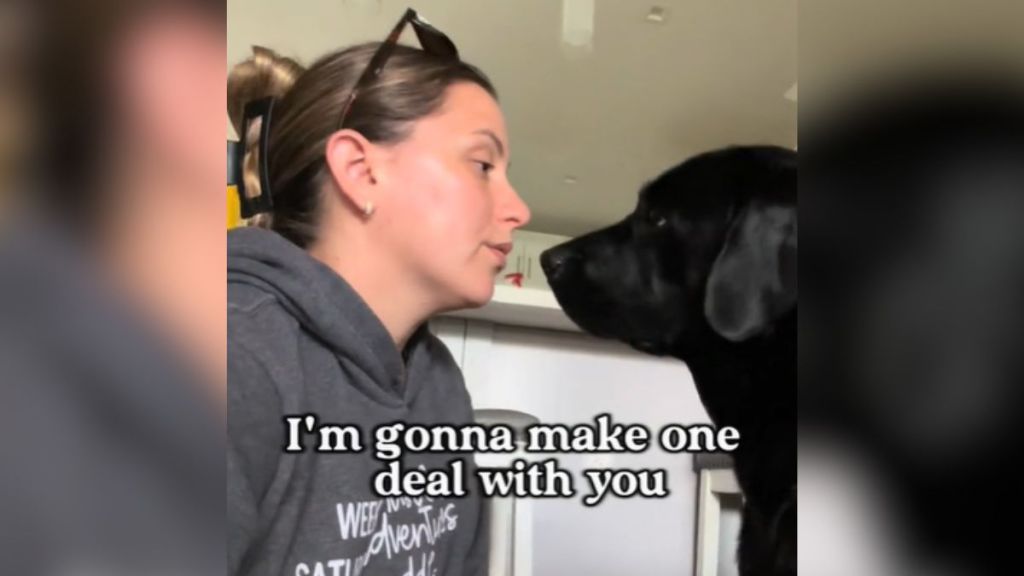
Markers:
point(431, 39)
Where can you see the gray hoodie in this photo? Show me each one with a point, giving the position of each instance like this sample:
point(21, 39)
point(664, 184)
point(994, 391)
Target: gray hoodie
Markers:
point(302, 341)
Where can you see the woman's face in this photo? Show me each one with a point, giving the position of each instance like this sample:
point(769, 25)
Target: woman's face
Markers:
point(449, 207)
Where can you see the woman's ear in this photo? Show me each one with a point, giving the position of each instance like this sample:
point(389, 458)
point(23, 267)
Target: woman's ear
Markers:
point(350, 162)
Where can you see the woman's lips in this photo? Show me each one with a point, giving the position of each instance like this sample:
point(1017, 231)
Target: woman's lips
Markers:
point(501, 251)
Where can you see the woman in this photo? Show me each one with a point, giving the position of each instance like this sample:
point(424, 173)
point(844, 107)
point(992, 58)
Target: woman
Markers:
point(386, 205)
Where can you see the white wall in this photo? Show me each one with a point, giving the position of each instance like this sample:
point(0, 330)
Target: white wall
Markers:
point(569, 378)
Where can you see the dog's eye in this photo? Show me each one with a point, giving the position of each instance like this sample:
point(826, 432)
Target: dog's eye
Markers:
point(658, 220)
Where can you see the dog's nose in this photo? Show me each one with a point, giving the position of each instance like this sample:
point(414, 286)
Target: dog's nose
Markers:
point(553, 261)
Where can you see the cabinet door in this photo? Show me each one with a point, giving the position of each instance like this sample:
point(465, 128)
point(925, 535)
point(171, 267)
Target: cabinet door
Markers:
point(533, 244)
point(568, 378)
point(533, 275)
point(514, 265)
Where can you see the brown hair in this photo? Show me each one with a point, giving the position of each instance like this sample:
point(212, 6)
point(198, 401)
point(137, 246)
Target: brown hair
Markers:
point(76, 97)
point(307, 107)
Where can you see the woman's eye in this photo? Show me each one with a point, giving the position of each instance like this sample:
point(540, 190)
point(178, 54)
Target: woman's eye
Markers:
point(485, 167)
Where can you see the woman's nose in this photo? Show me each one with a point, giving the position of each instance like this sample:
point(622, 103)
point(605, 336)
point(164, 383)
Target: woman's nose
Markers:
point(516, 210)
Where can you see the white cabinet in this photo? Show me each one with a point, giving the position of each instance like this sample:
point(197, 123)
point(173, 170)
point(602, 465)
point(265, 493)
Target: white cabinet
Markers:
point(522, 353)
point(514, 267)
point(569, 378)
point(523, 267)
point(532, 245)
point(529, 301)
point(719, 516)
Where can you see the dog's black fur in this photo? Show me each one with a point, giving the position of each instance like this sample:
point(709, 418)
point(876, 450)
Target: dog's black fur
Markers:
point(704, 270)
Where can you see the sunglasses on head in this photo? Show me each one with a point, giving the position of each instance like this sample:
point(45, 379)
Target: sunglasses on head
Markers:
point(431, 39)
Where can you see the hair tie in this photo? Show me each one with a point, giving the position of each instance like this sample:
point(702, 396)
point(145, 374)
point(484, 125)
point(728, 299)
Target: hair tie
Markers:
point(250, 207)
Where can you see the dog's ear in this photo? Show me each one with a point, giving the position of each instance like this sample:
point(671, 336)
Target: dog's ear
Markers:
point(753, 281)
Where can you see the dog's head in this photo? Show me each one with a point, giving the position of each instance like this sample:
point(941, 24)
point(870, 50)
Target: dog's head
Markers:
point(709, 250)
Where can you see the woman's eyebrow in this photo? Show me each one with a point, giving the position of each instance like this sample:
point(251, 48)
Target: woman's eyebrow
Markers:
point(494, 137)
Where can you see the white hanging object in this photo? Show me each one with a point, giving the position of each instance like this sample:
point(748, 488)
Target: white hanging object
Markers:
point(791, 93)
point(578, 25)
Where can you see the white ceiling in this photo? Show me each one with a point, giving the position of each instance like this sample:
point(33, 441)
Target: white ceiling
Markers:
point(846, 46)
point(644, 97)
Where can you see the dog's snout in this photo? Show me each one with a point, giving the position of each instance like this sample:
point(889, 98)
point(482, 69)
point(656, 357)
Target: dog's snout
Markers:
point(553, 260)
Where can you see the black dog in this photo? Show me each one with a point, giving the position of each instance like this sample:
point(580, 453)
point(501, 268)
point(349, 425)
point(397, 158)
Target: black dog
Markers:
point(704, 270)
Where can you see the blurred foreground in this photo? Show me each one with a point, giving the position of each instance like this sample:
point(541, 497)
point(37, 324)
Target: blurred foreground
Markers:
point(912, 335)
point(112, 321)
point(112, 280)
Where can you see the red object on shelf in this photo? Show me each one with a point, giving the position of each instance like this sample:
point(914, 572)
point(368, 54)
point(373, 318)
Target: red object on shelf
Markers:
point(516, 278)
